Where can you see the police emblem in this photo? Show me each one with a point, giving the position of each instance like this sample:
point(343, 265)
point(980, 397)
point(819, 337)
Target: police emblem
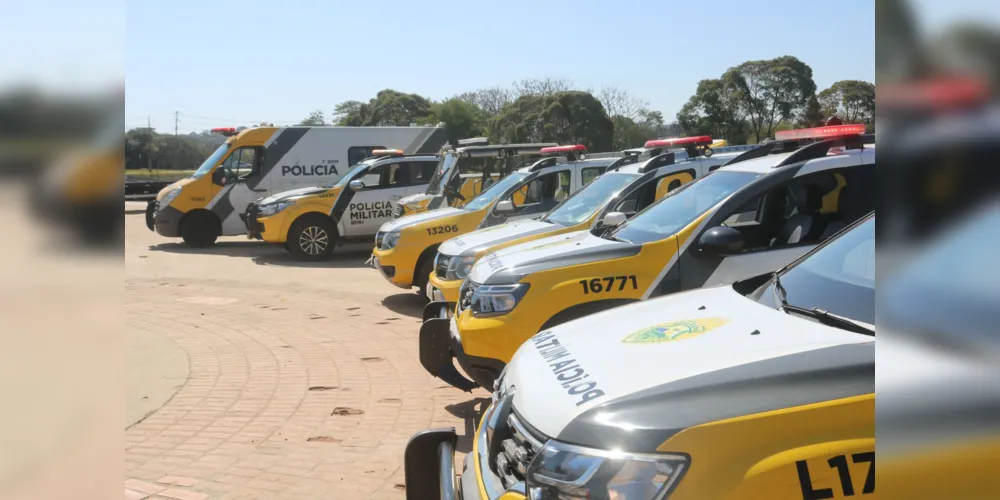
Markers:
point(678, 330)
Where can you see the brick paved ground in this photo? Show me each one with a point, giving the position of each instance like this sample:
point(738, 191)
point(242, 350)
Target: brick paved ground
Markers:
point(304, 381)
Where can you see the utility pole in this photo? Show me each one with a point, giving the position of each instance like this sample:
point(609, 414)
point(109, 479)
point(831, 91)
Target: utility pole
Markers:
point(176, 118)
point(148, 124)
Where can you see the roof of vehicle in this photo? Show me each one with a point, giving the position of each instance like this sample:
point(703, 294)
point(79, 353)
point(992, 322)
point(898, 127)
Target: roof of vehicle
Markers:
point(506, 149)
point(553, 161)
point(767, 164)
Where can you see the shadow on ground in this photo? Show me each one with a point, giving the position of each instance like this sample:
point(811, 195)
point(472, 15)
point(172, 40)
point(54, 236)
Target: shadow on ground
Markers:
point(471, 412)
point(407, 304)
point(266, 254)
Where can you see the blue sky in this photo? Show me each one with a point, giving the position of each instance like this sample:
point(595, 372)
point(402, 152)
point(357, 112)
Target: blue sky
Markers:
point(232, 63)
point(277, 61)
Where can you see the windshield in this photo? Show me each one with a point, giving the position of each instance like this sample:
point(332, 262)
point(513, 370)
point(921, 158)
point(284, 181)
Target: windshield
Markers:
point(681, 207)
point(441, 171)
point(353, 172)
point(946, 289)
point(839, 277)
point(494, 191)
point(211, 161)
point(582, 204)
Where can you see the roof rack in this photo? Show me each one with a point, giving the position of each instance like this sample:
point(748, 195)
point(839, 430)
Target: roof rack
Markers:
point(769, 148)
point(628, 159)
point(503, 150)
point(657, 161)
point(821, 149)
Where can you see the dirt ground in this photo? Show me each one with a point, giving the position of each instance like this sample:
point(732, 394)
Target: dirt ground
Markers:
point(252, 375)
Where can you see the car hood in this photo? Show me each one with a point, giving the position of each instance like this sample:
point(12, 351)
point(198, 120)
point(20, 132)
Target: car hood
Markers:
point(411, 220)
point(481, 239)
point(416, 198)
point(632, 375)
point(297, 193)
point(569, 249)
point(179, 184)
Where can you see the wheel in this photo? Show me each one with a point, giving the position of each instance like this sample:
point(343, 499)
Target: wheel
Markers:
point(200, 229)
point(312, 238)
point(423, 276)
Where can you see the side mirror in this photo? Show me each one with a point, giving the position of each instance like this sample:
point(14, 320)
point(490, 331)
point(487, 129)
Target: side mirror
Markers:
point(614, 219)
point(219, 177)
point(721, 240)
point(505, 207)
point(356, 185)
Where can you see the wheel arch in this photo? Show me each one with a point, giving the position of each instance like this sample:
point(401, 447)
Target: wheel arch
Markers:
point(286, 226)
point(577, 311)
point(198, 212)
point(427, 254)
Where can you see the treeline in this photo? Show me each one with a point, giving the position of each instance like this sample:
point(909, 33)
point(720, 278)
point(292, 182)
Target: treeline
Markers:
point(145, 148)
point(745, 105)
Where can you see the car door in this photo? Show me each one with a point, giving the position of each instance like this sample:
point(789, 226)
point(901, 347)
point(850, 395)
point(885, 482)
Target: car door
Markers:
point(828, 199)
point(542, 194)
point(244, 185)
point(384, 185)
point(421, 173)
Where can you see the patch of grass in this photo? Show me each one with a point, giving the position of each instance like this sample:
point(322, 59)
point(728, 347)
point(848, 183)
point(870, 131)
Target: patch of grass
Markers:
point(158, 175)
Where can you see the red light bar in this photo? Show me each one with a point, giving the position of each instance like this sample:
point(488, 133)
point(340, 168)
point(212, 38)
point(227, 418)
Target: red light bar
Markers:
point(820, 132)
point(699, 140)
point(941, 93)
point(387, 152)
point(576, 148)
point(226, 131)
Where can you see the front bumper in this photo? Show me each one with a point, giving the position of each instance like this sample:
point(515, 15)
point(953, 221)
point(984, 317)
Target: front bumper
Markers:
point(388, 263)
point(167, 221)
point(429, 467)
point(440, 343)
point(250, 219)
point(448, 290)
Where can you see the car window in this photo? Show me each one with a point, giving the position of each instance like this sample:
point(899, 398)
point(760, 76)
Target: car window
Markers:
point(588, 174)
point(372, 177)
point(241, 163)
point(358, 153)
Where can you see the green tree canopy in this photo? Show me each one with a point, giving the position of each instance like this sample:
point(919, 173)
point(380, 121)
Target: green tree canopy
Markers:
point(851, 100)
point(568, 117)
point(461, 118)
point(770, 91)
point(316, 118)
point(716, 109)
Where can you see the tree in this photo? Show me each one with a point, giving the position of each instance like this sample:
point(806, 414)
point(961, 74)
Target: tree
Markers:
point(316, 118)
point(345, 111)
point(770, 91)
point(812, 114)
point(541, 86)
point(387, 108)
point(853, 101)
point(716, 110)
point(569, 117)
point(140, 148)
point(491, 99)
point(461, 118)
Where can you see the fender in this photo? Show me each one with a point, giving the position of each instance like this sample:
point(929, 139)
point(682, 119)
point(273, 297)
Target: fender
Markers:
point(309, 209)
point(580, 310)
point(428, 253)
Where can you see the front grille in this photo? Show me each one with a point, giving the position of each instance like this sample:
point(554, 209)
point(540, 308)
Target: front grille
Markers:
point(441, 268)
point(398, 211)
point(465, 294)
point(378, 239)
point(518, 446)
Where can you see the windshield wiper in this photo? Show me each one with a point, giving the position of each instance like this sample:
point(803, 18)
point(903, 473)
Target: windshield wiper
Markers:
point(823, 316)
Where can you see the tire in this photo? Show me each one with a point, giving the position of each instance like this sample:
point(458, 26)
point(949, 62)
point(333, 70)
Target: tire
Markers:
point(312, 238)
point(200, 229)
point(423, 276)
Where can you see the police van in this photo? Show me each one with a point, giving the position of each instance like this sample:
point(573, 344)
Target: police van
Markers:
point(405, 247)
point(257, 162)
point(761, 389)
point(453, 186)
point(761, 210)
point(626, 187)
point(310, 222)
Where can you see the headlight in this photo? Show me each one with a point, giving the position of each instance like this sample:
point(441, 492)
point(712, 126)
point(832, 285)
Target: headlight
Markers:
point(167, 198)
point(273, 208)
point(496, 300)
point(389, 240)
point(566, 471)
point(458, 268)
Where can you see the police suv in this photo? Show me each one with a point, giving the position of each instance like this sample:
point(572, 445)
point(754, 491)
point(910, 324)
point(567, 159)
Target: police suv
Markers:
point(762, 210)
point(405, 247)
point(310, 222)
point(761, 389)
